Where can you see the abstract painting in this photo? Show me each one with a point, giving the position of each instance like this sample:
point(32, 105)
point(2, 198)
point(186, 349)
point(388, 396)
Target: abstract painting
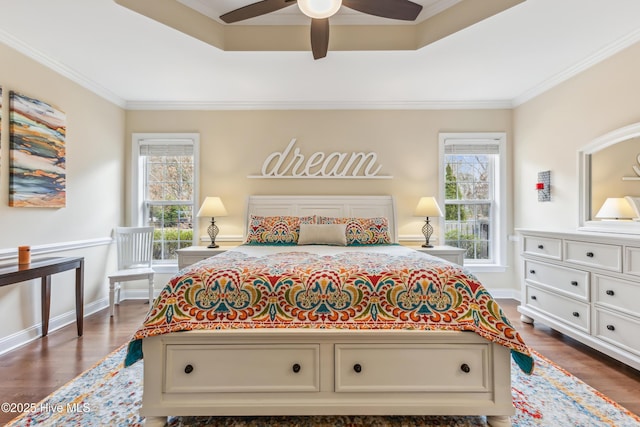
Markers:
point(37, 173)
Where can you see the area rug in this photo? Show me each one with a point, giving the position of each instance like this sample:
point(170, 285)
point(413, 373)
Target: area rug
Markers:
point(110, 395)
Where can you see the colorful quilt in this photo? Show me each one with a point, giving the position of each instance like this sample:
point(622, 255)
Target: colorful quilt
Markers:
point(356, 290)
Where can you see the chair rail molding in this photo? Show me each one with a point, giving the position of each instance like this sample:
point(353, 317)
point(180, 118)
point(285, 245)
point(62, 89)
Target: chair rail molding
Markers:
point(11, 253)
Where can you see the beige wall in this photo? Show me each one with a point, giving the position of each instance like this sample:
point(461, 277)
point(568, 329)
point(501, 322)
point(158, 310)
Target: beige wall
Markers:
point(550, 129)
point(95, 183)
point(234, 144)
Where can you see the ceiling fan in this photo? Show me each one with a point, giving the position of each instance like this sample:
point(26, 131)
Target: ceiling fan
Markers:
point(320, 10)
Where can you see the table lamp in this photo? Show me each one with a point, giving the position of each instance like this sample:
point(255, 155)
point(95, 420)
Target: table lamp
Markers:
point(213, 207)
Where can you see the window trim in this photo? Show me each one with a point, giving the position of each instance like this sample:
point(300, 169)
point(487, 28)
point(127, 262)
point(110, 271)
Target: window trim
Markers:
point(499, 236)
point(136, 206)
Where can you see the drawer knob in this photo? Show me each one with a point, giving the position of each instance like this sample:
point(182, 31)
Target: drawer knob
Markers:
point(357, 367)
point(533, 297)
point(532, 271)
point(590, 254)
point(574, 283)
point(465, 368)
point(611, 327)
point(540, 246)
point(296, 367)
point(188, 369)
point(610, 292)
point(576, 314)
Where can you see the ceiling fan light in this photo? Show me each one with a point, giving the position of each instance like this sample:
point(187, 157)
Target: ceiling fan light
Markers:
point(319, 9)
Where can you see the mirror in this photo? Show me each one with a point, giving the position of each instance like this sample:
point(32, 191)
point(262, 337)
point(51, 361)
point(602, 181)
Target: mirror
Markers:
point(609, 167)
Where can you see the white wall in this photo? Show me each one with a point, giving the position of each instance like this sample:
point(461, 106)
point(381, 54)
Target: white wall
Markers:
point(95, 199)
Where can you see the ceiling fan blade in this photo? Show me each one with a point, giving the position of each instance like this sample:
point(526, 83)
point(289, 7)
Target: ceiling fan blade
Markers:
point(255, 9)
point(394, 9)
point(319, 37)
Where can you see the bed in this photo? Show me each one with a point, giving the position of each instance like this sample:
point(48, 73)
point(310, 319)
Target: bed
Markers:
point(357, 326)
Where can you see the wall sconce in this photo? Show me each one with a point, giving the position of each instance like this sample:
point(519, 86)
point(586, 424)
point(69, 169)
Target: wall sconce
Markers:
point(543, 186)
point(427, 206)
point(212, 206)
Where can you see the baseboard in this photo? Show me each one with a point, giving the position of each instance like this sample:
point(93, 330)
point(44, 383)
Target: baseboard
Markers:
point(505, 293)
point(32, 333)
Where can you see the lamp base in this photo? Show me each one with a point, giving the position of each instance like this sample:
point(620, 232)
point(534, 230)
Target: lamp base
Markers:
point(427, 246)
point(213, 246)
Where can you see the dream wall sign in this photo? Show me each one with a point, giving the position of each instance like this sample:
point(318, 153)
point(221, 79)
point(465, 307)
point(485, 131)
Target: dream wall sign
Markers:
point(292, 163)
point(37, 173)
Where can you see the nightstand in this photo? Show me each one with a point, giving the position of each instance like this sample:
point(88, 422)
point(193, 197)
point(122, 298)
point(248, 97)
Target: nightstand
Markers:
point(449, 253)
point(193, 254)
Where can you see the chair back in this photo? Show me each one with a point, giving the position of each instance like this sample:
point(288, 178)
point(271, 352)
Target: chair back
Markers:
point(134, 246)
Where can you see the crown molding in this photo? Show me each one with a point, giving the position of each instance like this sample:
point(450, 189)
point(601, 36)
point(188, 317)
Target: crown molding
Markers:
point(60, 68)
point(602, 54)
point(319, 105)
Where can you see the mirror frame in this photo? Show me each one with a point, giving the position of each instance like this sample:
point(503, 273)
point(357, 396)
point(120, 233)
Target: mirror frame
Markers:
point(586, 223)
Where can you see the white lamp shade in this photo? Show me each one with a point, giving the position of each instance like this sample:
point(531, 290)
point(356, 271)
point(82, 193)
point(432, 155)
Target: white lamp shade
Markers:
point(212, 207)
point(616, 208)
point(319, 9)
point(427, 206)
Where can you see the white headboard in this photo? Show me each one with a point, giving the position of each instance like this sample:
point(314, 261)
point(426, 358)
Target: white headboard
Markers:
point(335, 206)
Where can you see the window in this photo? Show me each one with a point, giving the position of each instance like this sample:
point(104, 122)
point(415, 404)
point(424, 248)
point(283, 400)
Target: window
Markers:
point(473, 171)
point(165, 178)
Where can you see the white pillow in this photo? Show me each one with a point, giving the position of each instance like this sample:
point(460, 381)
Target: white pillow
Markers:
point(323, 234)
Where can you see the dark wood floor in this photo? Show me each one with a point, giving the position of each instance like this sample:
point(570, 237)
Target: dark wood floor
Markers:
point(32, 372)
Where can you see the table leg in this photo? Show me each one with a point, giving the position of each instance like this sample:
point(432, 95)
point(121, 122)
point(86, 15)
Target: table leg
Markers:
point(80, 297)
point(45, 303)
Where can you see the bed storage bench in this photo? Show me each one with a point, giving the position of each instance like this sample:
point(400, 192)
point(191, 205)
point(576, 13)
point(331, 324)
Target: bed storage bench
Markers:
point(330, 372)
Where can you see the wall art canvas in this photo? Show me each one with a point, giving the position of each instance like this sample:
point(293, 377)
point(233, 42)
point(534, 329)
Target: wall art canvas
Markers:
point(37, 163)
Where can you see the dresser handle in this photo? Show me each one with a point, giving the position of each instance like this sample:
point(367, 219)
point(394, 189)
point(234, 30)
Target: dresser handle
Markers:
point(533, 297)
point(532, 271)
point(574, 283)
point(188, 369)
point(465, 368)
point(590, 254)
point(357, 367)
point(609, 292)
point(576, 314)
point(611, 327)
point(296, 367)
point(540, 246)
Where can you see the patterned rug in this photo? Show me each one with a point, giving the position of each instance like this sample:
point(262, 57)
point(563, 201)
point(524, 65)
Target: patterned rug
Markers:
point(110, 395)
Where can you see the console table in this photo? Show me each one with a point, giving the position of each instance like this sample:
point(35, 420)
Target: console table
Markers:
point(43, 268)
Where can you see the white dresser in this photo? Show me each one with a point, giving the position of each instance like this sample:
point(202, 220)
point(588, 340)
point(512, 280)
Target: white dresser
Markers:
point(585, 285)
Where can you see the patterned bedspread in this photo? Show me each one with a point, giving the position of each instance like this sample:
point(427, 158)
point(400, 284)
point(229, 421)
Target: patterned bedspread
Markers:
point(355, 290)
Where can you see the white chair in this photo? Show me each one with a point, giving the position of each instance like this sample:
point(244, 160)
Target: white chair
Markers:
point(135, 252)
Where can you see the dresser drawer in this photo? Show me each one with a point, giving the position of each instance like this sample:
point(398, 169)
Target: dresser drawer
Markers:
point(411, 368)
point(242, 368)
point(547, 247)
point(618, 329)
point(617, 294)
point(632, 261)
point(599, 255)
point(568, 310)
point(562, 279)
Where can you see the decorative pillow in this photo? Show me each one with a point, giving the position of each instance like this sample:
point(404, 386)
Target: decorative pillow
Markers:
point(323, 234)
point(276, 230)
point(362, 231)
